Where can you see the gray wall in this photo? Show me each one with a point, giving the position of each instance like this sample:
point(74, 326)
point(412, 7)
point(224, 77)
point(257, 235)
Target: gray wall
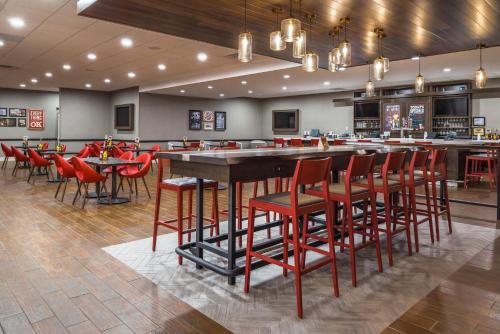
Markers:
point(28, 99)
point(125, 96)
point(166, 117)
point(315, 112)
point(488, 105)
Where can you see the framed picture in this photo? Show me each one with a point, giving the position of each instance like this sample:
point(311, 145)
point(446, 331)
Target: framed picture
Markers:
point(3, 112)
point(17, 112)
point(208, 116)
point(195, 119)
point(21, 122)
point(209, 126)
point(479, 121)
point(220, 121)
point(36, 119)
point(478, 131)
point(8, 122)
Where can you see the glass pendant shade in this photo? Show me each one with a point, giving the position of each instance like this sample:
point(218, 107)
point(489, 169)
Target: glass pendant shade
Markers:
point(378, 68)
point(276, 42)
point(310, 62)
point(386, 64)
point(245, 47)
point(345, 53)
point(337, 56)
point(290, 29)
point(332, 66)
point(299, 45)
point(419, 84)
point(370, 88)
point(481, 78)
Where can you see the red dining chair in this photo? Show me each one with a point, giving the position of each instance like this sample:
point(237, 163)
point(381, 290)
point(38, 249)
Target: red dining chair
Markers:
point(296, 142)
point(121, 144)
point(37, 161)
point(294, 205)
point(95, 150)
point(84, 152)
point(20, 157)
point(131, 145)
point(279, 142)
point(232, 143)
point(152, 153)
point(132, 173)
point(87, 175)
point(7, 152)
point(194, 144)
point(124, 156)
point(117, 151)
point(66, 172)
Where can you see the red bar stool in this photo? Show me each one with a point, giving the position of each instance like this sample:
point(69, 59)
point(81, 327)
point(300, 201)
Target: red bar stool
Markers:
point(296, 142)
point(417, 177)
point(474, 164)
point(20, 157)
point(180, 186)
point(314, 142)
point(347, 194)
point(339, 142)
point(437, 173)
point(364, 140)
point(7, 153)
point(294, 205)
point(279, 142)
point(390, 189)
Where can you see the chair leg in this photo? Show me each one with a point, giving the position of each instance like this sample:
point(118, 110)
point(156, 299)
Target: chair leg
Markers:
point(251, 221)
point(413, 208)
point(85, 196)
point(331, 248)
point(5, 162)
point(297, 269)
point(305, 225)
point(15, 169)
point(58, 188)
point(215, 206)
point(32, 169)
point(268, 215)
point(77, 192)
point(156, 216)
point(64, 190)
point(146, 186)
point(190, 215)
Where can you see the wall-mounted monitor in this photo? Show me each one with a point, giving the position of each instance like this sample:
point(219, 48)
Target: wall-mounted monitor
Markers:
point(367, 110)
point(451, 106)
point(286, 120)
point(124, 117)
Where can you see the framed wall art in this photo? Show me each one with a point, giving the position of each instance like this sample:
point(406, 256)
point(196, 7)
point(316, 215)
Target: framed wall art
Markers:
point(17, 112)
point(195, 119)
point(220, 121)
point(36, 119)
point(21, 122)
point(3, 112)
point(208, 116)
point(208, 126)
point(8, 122)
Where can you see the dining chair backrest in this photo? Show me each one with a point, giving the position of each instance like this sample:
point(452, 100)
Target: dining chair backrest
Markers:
point(194, 144)
point(7, 152)
point(121, 144)
point(126, 155)
point(63, 147)
point(64, 168)
point(145, 159)
point(117, 151)
point(36, 159)
point(84, 152)
point(359, 165)
point(95, 150)
point(18, 154)
point(84, 172)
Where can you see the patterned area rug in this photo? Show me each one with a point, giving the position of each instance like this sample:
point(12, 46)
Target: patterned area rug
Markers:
point(270, 307)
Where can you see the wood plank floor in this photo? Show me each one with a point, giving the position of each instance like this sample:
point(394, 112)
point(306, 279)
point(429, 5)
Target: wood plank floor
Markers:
point(54, 277)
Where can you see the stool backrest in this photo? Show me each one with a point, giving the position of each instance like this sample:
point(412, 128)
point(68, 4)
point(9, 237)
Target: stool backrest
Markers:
point(394, 162)
point(438, 161)
point(359, 165)
point(279, 141)
point(296, 142)
point(309, 172)
point(418, 162)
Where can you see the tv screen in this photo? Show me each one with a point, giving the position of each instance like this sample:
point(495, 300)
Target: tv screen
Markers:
point(286, 120)
point(366, 110)
point(451, 106)
point(124, 117)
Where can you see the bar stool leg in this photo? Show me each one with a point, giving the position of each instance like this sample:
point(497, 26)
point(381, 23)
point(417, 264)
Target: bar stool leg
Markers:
point(374, 223)
point(305, 224)
point(343, 227)
point(331, 248)
point(239, 219)
point(387, 205)
point(268, 215)
point(286, 223)
point(444, 184)
point(180, 223)
point(352, 252)
point(435, 207)
point(429, 210)
point(407, 219)
point(215, 211)
point(190, 214)
point(297, 269)
point(248, 269)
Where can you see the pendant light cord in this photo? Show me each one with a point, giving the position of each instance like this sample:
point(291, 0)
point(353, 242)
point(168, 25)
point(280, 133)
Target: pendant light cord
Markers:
point(419, 57)
point(291, 14)
point(245, 15)
point(480, 55)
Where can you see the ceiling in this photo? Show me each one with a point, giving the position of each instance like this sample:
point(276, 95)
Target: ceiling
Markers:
point(428, 27)
point(55, 35)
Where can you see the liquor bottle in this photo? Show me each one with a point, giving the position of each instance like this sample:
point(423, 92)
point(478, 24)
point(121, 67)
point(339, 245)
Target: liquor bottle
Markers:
point(105, 154)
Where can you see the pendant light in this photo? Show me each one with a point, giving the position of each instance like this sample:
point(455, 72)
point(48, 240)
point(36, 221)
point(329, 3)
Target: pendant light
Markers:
point(300, 44)
point(245, 42)
point(481, 75)
point(419, 80)
point(370, 86)
point(334, 54)
point(276, 42)
point(310, 59)
point(379, 62)
point(345, 46)
point(290, 27)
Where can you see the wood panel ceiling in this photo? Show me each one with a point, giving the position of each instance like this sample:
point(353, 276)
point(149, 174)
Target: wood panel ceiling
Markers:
point(428, 27)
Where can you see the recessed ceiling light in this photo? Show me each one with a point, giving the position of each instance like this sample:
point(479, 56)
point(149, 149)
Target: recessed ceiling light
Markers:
point(243, 82)
point(48, 75)
point(250, 91)
point(210, 87)
point(22, 85)
point(67, 67)
point(88, 85)
point(126, 42)
point(107, 80)
point(131, 74)
point(202, 56)
point(342, 69)
point(34, 80)
point(284, 87)
point(415, 58)
point(162, 67)
point(182, 91)
point(221, 94)
point(2, 43)
point(16, 22)
point(446, 69)
point(92, 56)
point(326, 83)
point(286, 76)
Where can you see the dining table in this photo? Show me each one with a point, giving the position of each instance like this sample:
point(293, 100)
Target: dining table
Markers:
point(247, 165)
point(113, 163)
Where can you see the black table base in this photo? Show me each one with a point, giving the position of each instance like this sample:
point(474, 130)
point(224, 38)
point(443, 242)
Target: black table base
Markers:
point(117, 200)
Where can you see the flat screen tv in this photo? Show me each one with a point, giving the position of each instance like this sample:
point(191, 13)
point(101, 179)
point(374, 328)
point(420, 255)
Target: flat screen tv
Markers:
point(366, 110)
point(286, 120)
point(124, 117)
point(451, 106)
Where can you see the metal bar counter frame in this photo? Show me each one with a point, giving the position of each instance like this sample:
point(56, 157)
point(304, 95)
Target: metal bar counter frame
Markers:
point(246, 166)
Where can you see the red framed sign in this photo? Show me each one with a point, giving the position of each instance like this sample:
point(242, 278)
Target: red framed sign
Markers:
point(36, 119)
